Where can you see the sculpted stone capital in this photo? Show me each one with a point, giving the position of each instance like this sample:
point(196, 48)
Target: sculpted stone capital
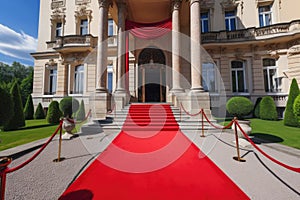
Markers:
point(194, 1)
point(104, 3)
point(176, 4)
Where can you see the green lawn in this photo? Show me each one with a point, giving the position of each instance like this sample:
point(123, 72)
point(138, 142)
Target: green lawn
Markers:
point(275, 131)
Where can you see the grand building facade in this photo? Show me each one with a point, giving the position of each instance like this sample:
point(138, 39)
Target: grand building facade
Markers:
point(112, 52)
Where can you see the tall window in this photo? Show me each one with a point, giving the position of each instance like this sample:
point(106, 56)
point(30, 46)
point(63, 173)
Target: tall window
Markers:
point(204, 22)
point(84, 27)
point(110, 27)
point(52, 81)
point(270, 75)
point(238, 76)
point(265, 16)
point(58, 29)
point(209, 77)
point(230, 20)
point(79, 79)
point(110, 78)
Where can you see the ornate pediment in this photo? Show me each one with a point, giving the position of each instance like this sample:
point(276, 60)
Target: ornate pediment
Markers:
point(83, 12)
point(58, 14)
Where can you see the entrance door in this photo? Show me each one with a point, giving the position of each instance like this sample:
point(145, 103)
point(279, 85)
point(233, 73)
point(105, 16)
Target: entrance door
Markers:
point(152, 76)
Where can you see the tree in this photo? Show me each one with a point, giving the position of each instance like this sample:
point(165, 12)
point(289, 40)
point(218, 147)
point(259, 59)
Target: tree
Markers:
point(39, 113)
point(54, 114)
point(26, 87)
point(268, 109)
point(290, 119)
point(6, 106)
point(29, 108)
point(80, 114)
point(296, 107)
point(239, 106)
point(17, 119)
point(68, 106)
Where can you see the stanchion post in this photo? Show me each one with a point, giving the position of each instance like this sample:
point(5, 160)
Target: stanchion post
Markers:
point(202, 119)
point(59, 158)
point(4, 162)
point(238, 157)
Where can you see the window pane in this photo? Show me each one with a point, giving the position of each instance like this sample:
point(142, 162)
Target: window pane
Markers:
point(232, 24)
point(110, 27)
point(52, 81)
point(233, 81)
point(241, 85)
point(79, 79)
point(84, 27)
point(109, 81)
point(266, 80)
point(58, 30)
point(236, 64)
point(227, 25)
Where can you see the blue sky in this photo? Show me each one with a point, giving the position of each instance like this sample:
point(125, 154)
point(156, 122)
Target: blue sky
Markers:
point(18, 30)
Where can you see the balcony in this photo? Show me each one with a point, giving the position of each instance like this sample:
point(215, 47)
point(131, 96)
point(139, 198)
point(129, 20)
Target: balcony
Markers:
point(73, 43)
point(252, 34)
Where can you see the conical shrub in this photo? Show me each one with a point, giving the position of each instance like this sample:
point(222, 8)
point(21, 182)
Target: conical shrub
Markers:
point(268, 109)
point(54, 114)
point(29, 108)
point(290, 119)
point(6, 106)
point(39, 113)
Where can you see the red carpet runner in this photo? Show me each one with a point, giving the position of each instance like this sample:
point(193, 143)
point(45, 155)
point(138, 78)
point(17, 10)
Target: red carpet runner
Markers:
point(151, 159)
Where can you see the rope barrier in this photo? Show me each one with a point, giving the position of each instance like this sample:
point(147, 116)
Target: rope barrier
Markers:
point(112, 110)
point(216, 127)
point(192, 115)
point(86, 117)
point(264, 153)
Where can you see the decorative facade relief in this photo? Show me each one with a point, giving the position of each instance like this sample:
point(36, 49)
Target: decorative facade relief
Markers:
point(58, 4)
point(83, 12)
point(294, 50)
point(58, 14)
point(207, 4)
point(82, 2)
point(229, 4)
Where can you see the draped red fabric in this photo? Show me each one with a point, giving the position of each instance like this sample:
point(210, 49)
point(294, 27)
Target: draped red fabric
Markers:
point(146, 31)
point(149, 30)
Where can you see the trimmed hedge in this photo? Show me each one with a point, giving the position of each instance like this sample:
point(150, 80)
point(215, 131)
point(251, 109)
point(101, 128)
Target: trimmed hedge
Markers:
point(17, 120)
point(54, 114)
point(6, 106)
point(268, 109)
point(239, 106)
point(29, 108)
point(257, 107)
point(39, 113)
point(68, 106)
point(297, 107)
point(290, 119)
point(80, 114)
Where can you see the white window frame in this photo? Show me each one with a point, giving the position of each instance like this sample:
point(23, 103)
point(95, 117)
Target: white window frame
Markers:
point(78, 87)
point(110, 29)
point(275, 78)
point(229, 18)
point(52, 78)
point(264, 14)
point(206, 73)
point(84, 27)
point(203, 20)
point(236, 70)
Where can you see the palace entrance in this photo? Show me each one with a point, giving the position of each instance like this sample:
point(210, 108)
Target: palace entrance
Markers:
point(152, 75)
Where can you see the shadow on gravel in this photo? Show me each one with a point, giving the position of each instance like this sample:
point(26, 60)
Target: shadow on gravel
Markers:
point(261, 138)
point(78, 195)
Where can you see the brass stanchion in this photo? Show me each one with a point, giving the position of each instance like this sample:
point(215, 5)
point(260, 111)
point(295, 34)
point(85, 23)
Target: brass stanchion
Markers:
point(4, 162)
point(238, 157)
point(202, 113)
point(59, 159)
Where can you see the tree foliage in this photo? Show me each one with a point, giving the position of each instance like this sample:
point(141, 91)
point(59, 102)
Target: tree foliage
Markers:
point(17, 120)
point(54, 114)
point(239, 106)
point(39, 113)
point(68, 106)
point(296, 107)
point(257, 107)
point(6, 106)
point(290, 119)
point(29, 108)
point(268, 109)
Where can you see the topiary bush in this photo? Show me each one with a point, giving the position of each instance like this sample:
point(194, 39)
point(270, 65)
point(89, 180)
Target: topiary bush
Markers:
point(296, 107)
point(17, 120)
point(257, 107)
point(68, 106)
point(6, 106)
point(39, 113)
point(239, 106)
point(80, 114)
point(268, 109)
point(29, 108)
point(290, 119)
point(54, 114)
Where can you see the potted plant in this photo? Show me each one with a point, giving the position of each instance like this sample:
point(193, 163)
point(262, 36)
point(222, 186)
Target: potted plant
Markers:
point(240, 107)
point(68, 106)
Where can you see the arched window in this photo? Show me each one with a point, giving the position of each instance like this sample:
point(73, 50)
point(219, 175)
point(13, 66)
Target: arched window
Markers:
point(238, 76)
point(209, 77)
point(272, 82)
point(79, 79)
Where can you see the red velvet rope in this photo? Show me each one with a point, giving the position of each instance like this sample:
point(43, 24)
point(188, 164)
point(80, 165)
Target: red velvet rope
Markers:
point(192, 115)
point(9, 170)
point(112, 110)
point(265, 154)
point(224, 127)
point(86, 117)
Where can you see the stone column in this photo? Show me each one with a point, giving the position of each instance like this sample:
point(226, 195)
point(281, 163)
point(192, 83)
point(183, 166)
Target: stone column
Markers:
point(102, 46)
point(176, 46)
point(121, 48)
point(196, 64)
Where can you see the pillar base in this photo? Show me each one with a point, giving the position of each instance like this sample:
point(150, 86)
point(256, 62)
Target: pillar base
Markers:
point(176, 96)
point(121, 99)
point(99, 104)
point(199, 100)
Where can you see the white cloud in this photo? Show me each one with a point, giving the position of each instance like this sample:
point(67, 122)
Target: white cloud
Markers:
point(16, 45)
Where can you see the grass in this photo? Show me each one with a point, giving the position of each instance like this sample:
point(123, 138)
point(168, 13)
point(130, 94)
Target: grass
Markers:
point(275, 131)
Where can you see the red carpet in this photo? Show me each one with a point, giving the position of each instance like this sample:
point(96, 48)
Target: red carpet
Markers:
point(151, 159)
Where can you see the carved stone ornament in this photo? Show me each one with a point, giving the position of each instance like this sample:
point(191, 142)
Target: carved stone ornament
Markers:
point(58, 4)
point(58, 15)
point(176, 4)
point(82, 2)
point(229, 4)
point(83, 12)
point(274, 54)
point(207, 4)
point(294, 50)
point(51, 64)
